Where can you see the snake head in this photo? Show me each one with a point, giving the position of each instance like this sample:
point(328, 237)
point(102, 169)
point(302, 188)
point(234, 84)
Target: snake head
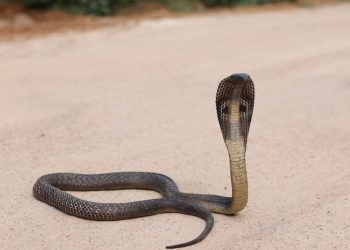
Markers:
point(234, 105)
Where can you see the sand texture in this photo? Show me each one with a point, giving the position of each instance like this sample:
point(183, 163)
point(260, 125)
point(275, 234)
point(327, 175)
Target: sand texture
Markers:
point(142, 98)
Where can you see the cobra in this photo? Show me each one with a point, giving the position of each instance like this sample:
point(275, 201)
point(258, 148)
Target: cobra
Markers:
point(234, 105)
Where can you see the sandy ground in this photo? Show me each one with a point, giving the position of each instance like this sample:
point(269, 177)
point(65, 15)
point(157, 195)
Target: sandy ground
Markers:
point(142, 98)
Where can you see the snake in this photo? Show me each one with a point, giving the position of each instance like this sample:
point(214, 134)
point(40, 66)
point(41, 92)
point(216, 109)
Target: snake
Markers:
point(234, 106)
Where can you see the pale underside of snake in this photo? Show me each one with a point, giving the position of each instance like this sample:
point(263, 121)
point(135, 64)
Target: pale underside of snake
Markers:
point(234, 105)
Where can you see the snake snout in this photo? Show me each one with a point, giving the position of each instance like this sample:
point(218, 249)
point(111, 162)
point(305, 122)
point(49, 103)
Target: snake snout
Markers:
point(240, 78)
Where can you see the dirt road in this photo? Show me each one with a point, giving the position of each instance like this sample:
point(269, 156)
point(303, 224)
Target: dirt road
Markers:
point(142, 99)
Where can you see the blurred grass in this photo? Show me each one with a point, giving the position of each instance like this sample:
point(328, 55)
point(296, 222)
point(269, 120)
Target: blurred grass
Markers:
point(110, 7)
point(181, 5)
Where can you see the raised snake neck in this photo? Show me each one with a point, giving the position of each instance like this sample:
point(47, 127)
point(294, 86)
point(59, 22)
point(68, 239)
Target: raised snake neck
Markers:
point(234, 104)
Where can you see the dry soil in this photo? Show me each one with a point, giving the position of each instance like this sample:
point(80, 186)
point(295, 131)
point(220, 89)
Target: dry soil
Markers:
point(142, 98)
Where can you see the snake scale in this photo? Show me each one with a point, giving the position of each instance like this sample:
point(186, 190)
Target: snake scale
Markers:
point(234, 105)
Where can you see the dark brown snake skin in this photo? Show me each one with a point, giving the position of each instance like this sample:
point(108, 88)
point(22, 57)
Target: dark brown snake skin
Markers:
point(234, 104)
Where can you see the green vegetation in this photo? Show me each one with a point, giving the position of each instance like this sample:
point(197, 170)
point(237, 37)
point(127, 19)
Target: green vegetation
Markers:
point(214, 3)
point(181, 5)
point(108, 7)
point(94, 7)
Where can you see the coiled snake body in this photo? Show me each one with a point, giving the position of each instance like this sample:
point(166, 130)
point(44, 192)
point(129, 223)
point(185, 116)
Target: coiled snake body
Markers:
point(234, 104)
